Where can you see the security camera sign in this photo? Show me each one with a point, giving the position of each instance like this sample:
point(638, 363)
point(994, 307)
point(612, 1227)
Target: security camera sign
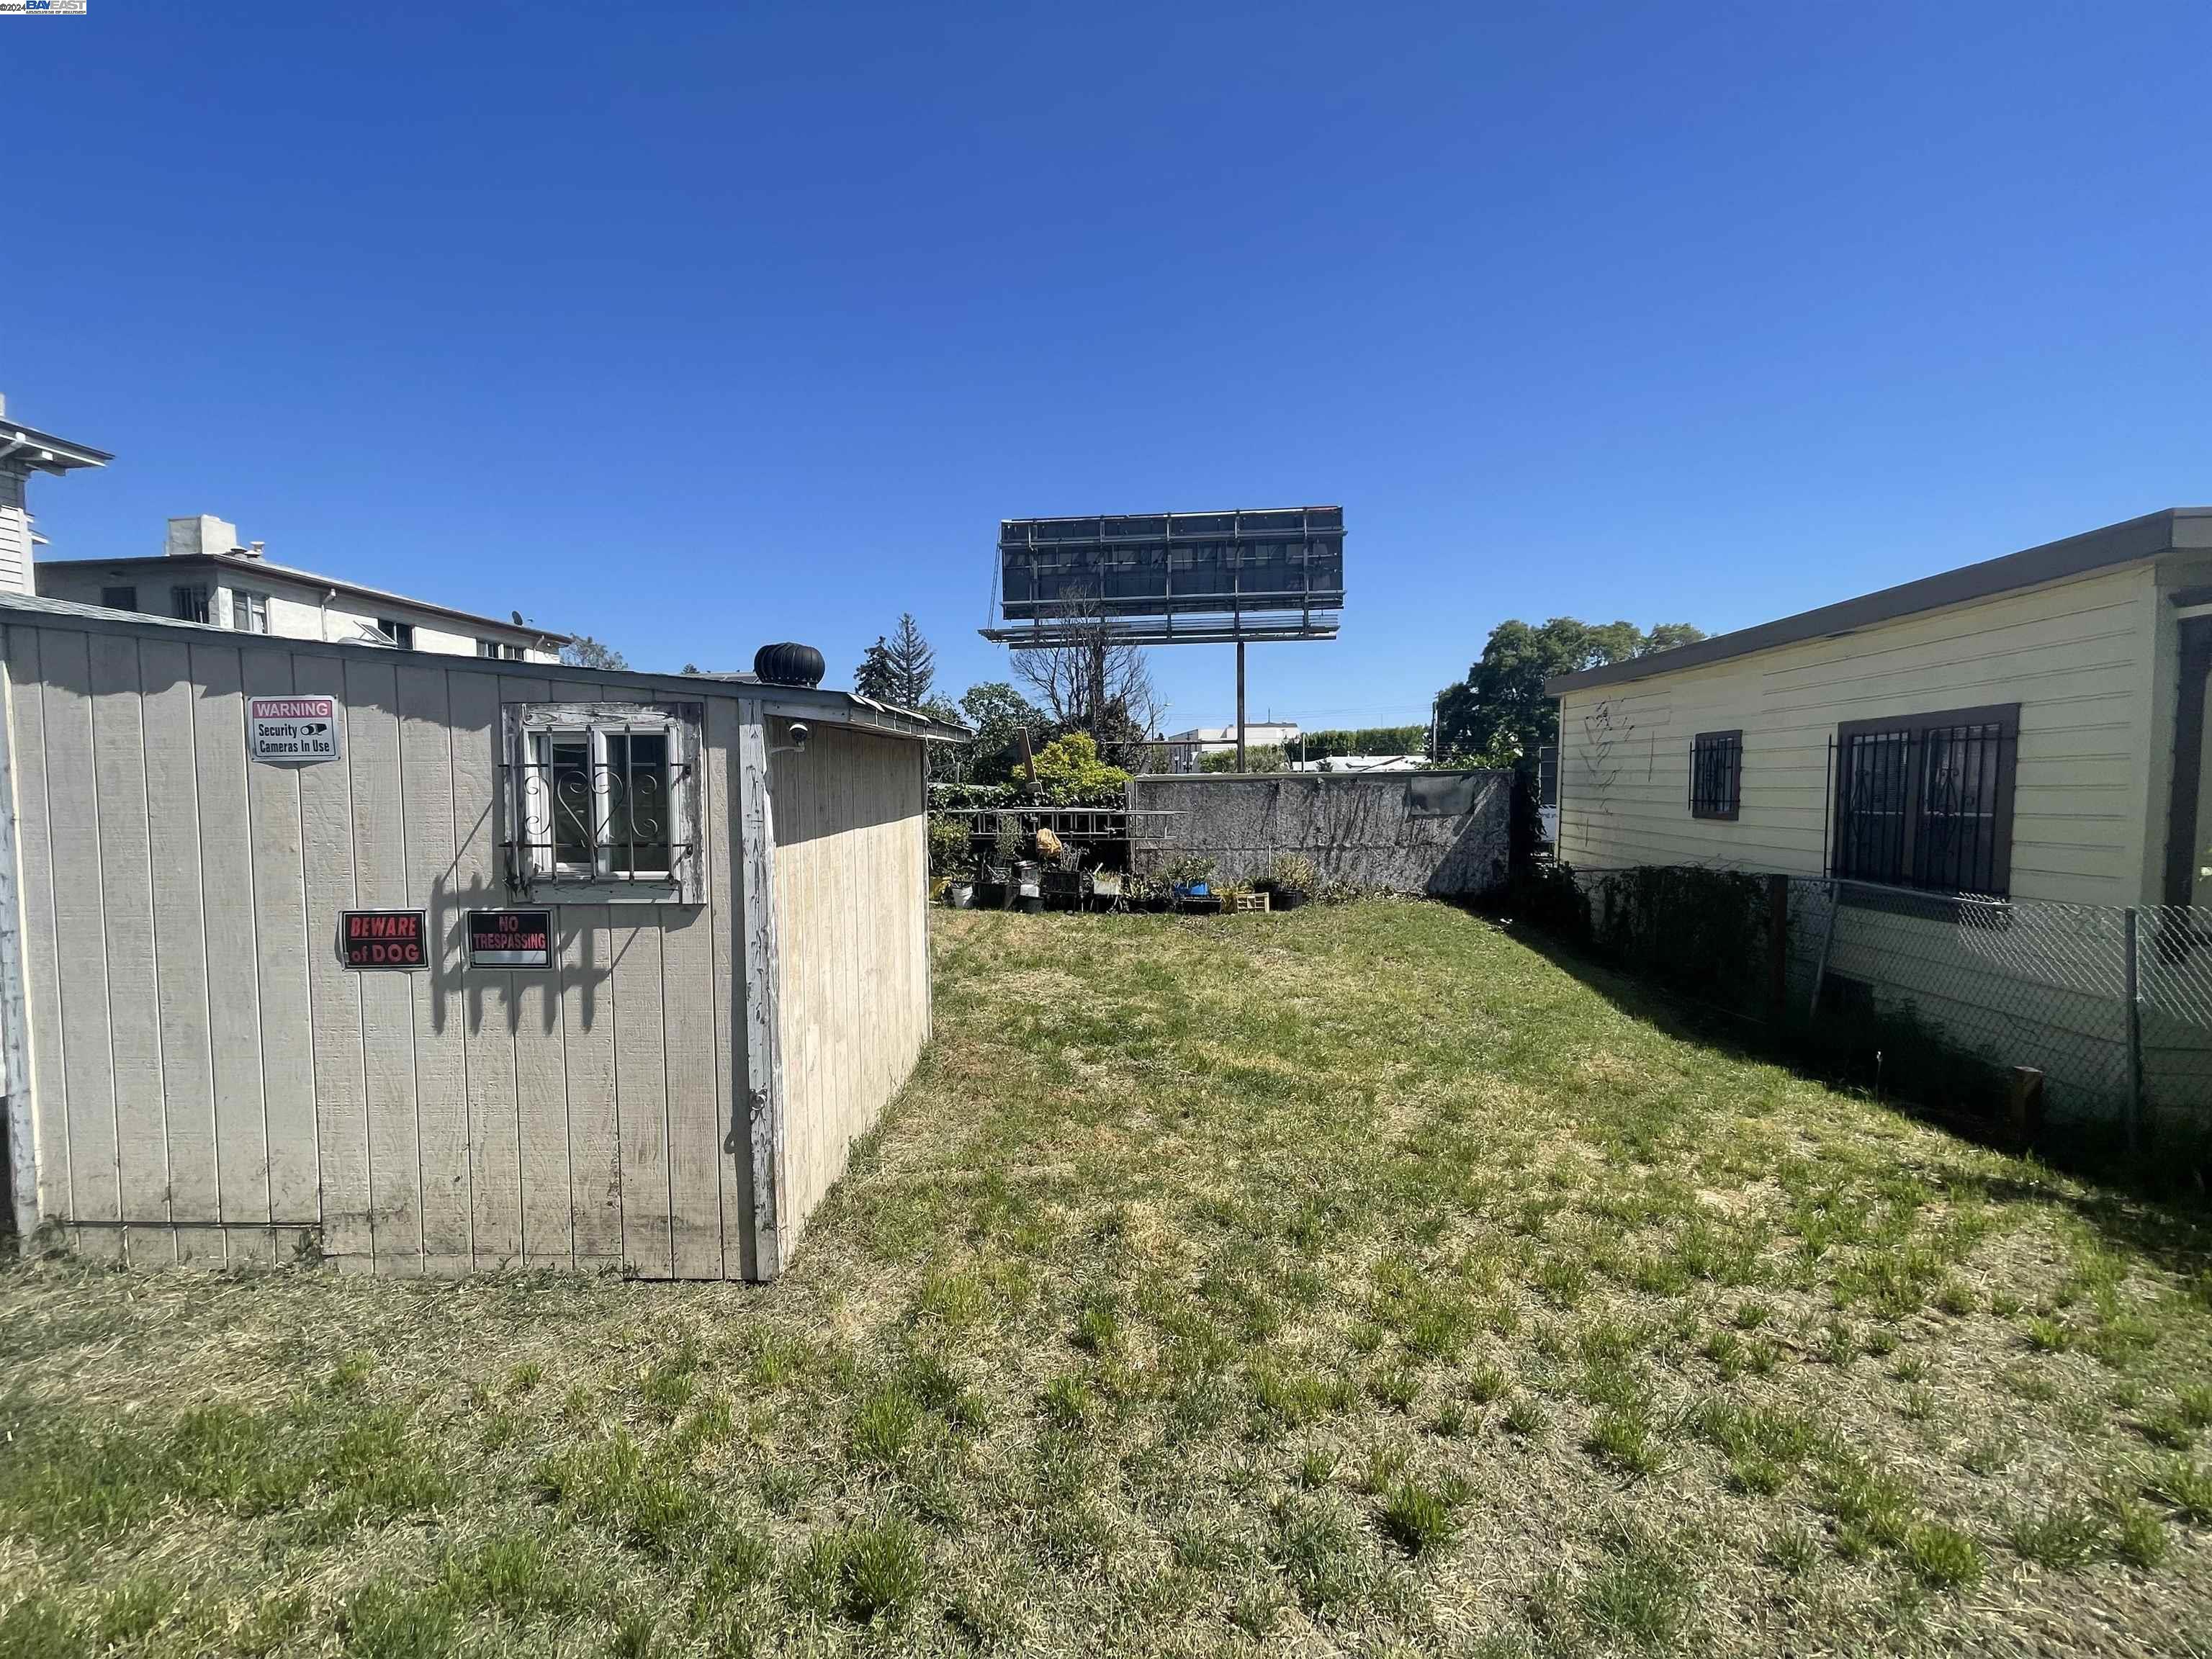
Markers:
point(293, 729)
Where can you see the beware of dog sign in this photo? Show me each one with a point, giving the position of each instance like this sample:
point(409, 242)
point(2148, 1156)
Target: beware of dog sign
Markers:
point(383, 938)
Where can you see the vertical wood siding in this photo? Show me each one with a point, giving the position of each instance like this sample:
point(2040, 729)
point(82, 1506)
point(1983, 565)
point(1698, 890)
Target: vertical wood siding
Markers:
point(202, 1057)
point(851, 874)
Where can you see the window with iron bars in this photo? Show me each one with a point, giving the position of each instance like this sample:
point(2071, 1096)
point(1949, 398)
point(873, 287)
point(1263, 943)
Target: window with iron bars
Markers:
point(1715, 775)
point(603, 801)
point(1925, 800)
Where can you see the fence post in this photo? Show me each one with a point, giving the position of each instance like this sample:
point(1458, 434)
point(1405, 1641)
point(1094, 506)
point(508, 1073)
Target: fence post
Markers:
point(2025, 1116)
point(1777, 944)
point(2135, 1035)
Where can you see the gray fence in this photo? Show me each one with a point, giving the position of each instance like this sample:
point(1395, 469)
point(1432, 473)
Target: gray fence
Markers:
point(2113, 1005)
point(1443, 833)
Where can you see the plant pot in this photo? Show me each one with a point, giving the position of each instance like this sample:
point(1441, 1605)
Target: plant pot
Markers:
point(1032, 907)
point(961, 896)
point(990, 896)
point(1285, 898)
point(1200, 904)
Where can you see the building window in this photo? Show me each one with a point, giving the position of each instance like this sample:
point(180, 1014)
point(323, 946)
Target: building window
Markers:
point(497, 650)
point(512, 653)
point(604, 796)
point(249, 611)
point(1715, 775)
point(1925, 800)
point(119, 598)
point(488, 649)
point(400, 633)
point(189, 602)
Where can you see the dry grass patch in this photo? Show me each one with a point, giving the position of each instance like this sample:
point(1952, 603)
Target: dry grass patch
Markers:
point(1355, 1280)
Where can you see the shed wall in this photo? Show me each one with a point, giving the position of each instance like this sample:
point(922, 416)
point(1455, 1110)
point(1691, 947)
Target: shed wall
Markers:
point(211, 1084)
point(851, 880)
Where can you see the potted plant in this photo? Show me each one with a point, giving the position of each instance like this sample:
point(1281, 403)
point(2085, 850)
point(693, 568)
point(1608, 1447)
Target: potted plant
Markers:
point(999, 866)
point(1190, 879)
point(1291, 880)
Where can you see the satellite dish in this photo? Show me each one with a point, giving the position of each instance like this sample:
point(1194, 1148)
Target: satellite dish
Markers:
point(517, 615)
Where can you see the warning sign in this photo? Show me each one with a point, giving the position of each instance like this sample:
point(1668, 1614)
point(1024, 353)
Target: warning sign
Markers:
point(510, 938)
point(383, 938)
point(292, 728)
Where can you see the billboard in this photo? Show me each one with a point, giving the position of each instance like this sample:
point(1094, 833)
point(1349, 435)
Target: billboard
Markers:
point(1172, 578)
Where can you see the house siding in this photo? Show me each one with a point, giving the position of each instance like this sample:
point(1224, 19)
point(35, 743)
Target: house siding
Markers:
point(2076, 655)
point(15, 533)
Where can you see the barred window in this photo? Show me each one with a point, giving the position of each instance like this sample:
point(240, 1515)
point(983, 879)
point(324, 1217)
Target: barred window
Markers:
point(603, 800)
point(1715, 775)
point(1925, 800)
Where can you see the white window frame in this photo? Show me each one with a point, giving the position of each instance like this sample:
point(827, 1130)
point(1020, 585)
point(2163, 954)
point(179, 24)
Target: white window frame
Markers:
point(249, 610)
point(530, 732)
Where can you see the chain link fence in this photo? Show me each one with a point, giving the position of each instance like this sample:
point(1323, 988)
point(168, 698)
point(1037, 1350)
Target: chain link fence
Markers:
point(2110, 1004)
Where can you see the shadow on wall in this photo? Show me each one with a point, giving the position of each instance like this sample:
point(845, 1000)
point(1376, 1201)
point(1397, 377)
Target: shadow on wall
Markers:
point(844, 781)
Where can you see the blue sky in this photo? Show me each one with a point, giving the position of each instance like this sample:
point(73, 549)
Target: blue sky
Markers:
point(693, 328)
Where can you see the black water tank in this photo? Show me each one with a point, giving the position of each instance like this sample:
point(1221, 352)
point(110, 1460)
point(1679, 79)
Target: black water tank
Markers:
point(789, 665)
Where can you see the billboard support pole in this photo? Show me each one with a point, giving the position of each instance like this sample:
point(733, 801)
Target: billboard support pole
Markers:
point(1240, 705)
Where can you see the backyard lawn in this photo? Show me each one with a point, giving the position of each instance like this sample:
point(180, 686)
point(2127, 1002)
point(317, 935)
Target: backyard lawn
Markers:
point(1357, 1280)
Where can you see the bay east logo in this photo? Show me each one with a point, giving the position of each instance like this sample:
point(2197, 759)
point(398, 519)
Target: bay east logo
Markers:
point(25, 8)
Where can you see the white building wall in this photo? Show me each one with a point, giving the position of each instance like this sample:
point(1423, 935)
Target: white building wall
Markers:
point(296, 610)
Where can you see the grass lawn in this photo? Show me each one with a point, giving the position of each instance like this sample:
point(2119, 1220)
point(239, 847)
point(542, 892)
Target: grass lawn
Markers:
point(1357, 1280)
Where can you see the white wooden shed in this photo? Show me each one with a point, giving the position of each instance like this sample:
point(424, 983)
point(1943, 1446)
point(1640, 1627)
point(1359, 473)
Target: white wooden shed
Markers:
point(436, 964)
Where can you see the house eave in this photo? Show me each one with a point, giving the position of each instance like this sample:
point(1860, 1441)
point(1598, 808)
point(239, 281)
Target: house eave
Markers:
point(2075, 555)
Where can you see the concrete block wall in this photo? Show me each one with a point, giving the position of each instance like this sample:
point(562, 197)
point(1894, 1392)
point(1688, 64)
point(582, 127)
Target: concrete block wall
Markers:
point(1440, 834)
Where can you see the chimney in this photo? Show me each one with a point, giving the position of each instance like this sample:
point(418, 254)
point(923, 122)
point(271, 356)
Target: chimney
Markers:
point(202, 533)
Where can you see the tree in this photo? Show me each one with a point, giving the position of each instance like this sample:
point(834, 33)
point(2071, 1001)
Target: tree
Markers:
point(1070, 774)
point(585, 652)
point(899, 670)
point(1092, 682)
point(1499, 715)
point(995, 713)
point(1258, 757)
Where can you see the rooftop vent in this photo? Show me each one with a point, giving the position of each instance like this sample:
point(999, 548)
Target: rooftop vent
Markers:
point(789, 665)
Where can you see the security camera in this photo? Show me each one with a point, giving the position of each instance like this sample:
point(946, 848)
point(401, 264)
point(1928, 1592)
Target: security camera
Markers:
point(798, 735)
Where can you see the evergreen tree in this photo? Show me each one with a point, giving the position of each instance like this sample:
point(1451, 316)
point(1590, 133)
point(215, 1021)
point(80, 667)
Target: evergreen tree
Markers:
point(899, 669)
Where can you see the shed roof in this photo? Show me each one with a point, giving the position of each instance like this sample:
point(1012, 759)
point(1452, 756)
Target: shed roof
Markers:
point(816, 702)
point(2118, 544)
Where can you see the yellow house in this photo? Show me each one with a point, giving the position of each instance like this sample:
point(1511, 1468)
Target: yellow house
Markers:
point(2032, 727)
point(1995, 780)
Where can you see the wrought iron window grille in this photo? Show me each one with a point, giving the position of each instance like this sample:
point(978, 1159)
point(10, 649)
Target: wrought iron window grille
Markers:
point(602, 803)
point(1715, 775)
point(1925, 802)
